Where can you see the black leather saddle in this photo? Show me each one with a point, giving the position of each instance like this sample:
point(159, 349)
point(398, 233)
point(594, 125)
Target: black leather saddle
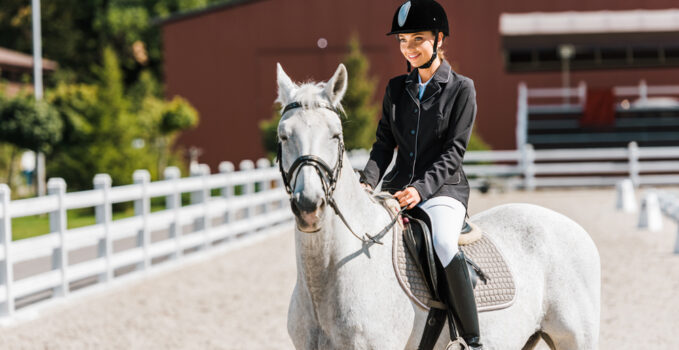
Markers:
point(420, 244)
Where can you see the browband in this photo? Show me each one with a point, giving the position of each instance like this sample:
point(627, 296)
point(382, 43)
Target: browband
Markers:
point(294, 105)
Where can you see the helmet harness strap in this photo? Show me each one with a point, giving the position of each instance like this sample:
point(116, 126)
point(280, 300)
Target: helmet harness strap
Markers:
point(433, 55)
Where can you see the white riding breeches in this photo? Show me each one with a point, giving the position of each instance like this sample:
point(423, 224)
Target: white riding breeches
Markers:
point(447, 217)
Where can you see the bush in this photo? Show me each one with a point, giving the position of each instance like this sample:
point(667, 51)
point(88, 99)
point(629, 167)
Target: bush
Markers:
point(29, 124)
point(178, 115)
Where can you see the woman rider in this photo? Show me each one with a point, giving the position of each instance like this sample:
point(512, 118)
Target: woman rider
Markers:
point(427, 115)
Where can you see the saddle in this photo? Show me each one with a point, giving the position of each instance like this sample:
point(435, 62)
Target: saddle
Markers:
point(419, 243)
point(419, 272)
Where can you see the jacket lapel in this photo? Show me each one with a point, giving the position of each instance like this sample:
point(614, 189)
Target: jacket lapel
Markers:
point(441, 77)
point(412, 87)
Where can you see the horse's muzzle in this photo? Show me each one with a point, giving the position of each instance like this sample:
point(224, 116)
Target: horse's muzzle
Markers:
point(308, 213)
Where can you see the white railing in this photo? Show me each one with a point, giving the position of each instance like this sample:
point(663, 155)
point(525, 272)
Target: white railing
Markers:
point(574, 100)
point(112, 247)
point(204, 223)
point(530, 169)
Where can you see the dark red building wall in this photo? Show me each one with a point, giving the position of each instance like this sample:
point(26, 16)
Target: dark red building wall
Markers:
point(223, 61)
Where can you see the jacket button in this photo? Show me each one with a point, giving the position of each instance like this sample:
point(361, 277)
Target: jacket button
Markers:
point(412, 132)
point(411, 154)
point(415, 110)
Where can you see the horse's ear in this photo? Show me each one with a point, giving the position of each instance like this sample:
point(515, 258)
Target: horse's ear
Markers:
point(285, 86)
point(337, 86)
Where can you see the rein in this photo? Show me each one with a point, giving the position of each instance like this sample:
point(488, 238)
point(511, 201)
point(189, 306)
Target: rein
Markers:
point(329, 177)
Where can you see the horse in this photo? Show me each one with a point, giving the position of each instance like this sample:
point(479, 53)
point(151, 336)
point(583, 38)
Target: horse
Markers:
point(346, 295)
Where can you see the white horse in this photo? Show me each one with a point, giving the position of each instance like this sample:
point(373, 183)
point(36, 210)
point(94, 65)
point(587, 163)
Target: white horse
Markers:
point(347, 296)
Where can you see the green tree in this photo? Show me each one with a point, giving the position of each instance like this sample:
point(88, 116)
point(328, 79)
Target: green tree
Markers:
point(28, 124)
point(107, 130)
point(100, 130)
point(76, 32)
point(358, 102)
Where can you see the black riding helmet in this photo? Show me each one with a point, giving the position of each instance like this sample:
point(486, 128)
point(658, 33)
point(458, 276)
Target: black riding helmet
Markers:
point(419, 15)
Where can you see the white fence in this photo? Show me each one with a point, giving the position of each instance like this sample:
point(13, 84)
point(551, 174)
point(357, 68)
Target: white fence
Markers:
point(109, 250)
point(541, 100)
point(530, 169)
point(73, 259)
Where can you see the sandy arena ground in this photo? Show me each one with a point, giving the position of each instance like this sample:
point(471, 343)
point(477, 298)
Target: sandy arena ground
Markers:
point(239, 300)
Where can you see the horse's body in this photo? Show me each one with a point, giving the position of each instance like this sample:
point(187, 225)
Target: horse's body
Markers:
point(347, 296)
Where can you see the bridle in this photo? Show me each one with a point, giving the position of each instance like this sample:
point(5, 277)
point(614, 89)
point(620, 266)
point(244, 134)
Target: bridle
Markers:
point(329, 177)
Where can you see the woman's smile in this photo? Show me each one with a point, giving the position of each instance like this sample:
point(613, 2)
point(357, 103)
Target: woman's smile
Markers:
point(412, 56)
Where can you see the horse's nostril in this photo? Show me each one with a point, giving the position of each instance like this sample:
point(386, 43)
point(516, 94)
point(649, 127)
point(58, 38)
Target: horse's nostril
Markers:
point(305, 204)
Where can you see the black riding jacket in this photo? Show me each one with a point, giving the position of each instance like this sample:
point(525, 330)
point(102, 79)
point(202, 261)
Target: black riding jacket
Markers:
point(431, 135)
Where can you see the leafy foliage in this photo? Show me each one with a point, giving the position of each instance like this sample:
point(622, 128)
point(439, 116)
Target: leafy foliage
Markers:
point(76, 32)
point(269, 133)
point(28, 124)
point(109, 131)
point(178, 115)
point(359, 126)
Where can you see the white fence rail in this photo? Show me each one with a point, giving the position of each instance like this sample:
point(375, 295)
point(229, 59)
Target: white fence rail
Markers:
point(95, 253)
point(112, 249)
point(530, 169)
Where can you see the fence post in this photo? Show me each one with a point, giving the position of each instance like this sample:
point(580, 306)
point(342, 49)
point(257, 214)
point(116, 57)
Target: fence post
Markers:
point(7, 271)
point(57, 187)
point(528, 160)
point(206, 195)
point(173, 202)
point(248, 187)
point(643, 91)
point(103, 214)
point(199, 197)
point(142, 207)
point(633, 154)
point(264, 185)
point(582, 94)
point(650, 216)
point(522, 117)
point(227, 191)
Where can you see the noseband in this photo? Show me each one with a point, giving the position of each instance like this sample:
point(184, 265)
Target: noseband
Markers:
point(329, 177)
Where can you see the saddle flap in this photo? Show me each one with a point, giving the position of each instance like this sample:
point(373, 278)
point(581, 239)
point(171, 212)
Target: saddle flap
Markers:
point(419, 245)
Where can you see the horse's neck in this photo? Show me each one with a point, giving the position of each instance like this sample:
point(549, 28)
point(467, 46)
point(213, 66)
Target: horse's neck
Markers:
point(322, 254)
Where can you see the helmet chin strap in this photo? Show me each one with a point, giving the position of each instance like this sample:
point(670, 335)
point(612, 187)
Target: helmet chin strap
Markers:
point(433, 55)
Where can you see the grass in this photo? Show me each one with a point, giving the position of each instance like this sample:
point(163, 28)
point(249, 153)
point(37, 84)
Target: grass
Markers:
point(32, 226)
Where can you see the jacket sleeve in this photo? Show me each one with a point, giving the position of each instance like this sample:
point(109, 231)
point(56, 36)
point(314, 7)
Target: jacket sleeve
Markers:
point(383, 148)
point(462, 118)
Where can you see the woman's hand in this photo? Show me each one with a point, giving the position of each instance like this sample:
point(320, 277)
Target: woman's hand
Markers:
point(367, 187)
point(408, 197)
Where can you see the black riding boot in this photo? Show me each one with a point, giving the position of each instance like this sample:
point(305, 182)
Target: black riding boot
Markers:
point(461, 302)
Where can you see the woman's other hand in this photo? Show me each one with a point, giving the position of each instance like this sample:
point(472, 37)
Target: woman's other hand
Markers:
point(367, 187)
point(408, 197)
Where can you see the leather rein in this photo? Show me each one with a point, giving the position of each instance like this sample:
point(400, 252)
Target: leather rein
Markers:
point(329, 177)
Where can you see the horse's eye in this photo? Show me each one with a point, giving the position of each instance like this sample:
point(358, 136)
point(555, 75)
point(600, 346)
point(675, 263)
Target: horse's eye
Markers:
point(337, 136)
point(283, 137)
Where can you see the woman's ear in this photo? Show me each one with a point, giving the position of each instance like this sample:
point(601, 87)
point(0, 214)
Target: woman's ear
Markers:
point(337, 86)
point(286, 87)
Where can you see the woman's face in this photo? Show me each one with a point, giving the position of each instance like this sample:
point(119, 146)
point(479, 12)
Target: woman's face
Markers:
point(417, 47)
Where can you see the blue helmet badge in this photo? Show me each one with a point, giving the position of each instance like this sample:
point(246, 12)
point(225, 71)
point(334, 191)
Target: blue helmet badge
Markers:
point(403, 14)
